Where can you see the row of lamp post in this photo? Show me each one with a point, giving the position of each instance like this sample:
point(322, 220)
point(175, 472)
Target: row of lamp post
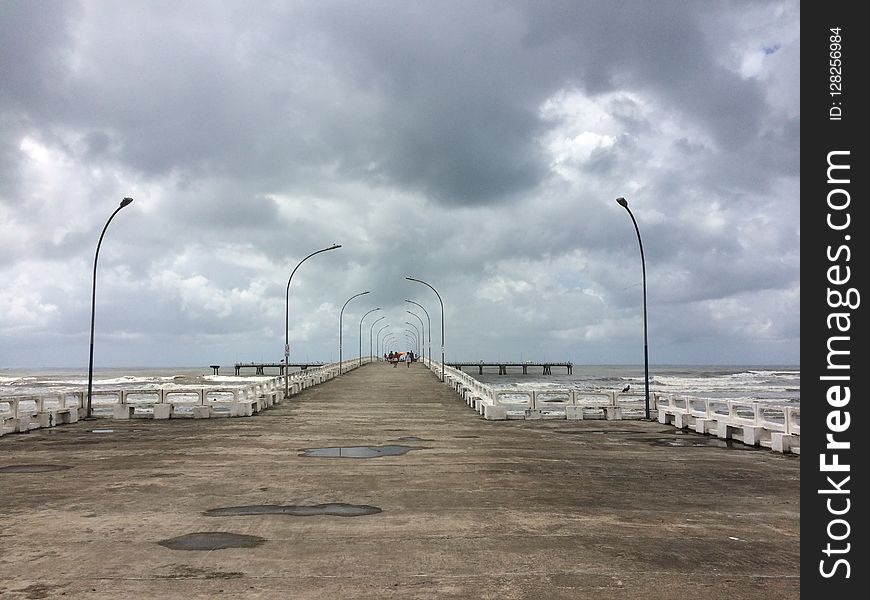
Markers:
point(287, 320)
point(418, 338)
point(429, 337)
point(371, 335)
point(340, 316)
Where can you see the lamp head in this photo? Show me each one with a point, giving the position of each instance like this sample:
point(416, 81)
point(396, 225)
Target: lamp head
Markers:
point(125, 202)
point(334, 246)
point(622, 202)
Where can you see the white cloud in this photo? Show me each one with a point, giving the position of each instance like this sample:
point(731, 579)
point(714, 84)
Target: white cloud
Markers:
point(485, 161)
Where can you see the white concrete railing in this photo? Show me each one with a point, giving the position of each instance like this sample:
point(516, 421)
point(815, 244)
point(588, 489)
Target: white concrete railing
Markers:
point(496, 403)
point(23, 413)
point(775, 426)
point(771, 425)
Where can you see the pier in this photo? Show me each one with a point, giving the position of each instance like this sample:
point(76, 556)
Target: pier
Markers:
point(384, 483)
point(546, 367)
point(260, 367)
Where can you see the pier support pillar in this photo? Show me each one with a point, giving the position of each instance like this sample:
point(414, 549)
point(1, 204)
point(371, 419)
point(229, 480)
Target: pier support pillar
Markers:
point(122, 412)
point(574, 413)
point(201, 412)
point(753, 436)
point(163, 410)
point(784, 442)
point(705, 426)
point(613, 413)
point(494, 413)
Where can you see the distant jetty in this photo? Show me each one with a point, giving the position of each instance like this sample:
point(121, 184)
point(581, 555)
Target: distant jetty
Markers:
point(546, 367)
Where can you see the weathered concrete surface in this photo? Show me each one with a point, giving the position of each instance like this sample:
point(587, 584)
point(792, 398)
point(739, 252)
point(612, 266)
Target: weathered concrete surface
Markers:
point(478, 509)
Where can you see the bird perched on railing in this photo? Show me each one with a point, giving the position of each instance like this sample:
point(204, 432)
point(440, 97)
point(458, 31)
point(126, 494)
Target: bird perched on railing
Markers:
point(625, 389)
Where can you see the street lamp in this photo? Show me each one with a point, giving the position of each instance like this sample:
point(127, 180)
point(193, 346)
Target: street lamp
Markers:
point(429, 337)
point(340, 316)
point(124, 203)
point(287, 320)
point(411, 339)
point(360, 332)
point(422, 334)
point(624, 204)
point(391, 336)
point(371, 335)
point(443, 378)
point(416, 336)
point(378, 340)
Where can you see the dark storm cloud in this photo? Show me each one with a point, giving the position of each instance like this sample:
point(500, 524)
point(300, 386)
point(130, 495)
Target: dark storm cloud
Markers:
point(477, 145)
point(445, 104)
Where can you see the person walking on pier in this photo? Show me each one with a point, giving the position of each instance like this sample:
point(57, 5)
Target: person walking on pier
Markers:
point(408, 359)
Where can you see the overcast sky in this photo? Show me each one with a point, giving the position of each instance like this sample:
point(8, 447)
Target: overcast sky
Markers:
point(476, 145)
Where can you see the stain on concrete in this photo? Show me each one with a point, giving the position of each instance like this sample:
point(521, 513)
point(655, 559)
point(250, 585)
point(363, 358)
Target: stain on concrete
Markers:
point(211, 540)
point(356, 451)
point(700, 442)
point(33, 468)
point(335, 509)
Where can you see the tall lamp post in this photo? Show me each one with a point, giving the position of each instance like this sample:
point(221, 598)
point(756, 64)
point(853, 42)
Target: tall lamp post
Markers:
point(422, 333)
point(378, 339)
point(360, 332)
point(391, 339)
point(442, 320)
point(124, 203)
point(624, 204)
point(371, 335)
point(287, 320)
point(411, 339)
point(429, 337)
point(417, 337)
point(340, 316)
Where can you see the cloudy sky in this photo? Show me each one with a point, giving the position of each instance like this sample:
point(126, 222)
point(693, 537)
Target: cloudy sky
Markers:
point(476, 145)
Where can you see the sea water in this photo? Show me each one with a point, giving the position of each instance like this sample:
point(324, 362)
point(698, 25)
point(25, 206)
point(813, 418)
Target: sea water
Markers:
point(779, 384)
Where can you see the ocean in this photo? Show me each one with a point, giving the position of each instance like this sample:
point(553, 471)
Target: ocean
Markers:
point(779, 384)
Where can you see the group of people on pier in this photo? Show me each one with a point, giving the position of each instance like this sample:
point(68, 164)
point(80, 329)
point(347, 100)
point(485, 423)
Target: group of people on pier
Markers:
point(395, 357)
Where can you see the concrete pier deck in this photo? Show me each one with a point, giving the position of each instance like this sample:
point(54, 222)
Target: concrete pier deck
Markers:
point(475, 509)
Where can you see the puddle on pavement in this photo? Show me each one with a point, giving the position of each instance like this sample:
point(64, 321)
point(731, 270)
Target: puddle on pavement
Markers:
point(700, 442)
point(593, 431)
point(212, 540)
point(337, 509)
point(117, 430)
point(33, 468)
point(356, 451)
